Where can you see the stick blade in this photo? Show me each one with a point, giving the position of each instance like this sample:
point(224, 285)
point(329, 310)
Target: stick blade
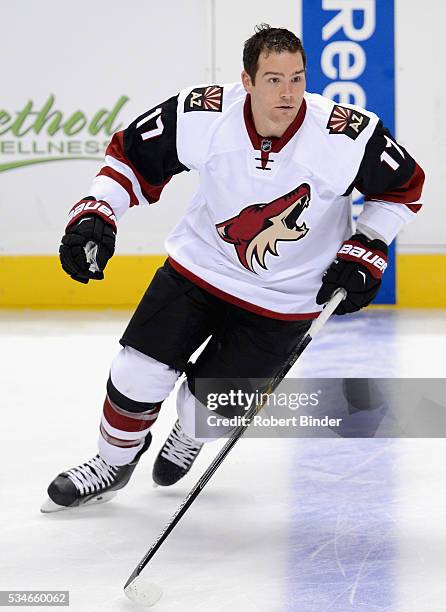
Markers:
point(142, 592)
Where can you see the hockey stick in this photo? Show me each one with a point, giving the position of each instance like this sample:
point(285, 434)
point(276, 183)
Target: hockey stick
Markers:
point(130, 588)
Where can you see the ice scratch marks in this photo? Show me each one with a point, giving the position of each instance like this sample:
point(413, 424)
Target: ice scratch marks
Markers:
point(343, 536)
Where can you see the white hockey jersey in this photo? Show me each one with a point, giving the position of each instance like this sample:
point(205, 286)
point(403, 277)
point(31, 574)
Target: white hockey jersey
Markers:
point(270, 213)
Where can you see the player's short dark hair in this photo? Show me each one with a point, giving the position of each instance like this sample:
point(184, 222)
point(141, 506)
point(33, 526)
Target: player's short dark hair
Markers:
point(269, 40)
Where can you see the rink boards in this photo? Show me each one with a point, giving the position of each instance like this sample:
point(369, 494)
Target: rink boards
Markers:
point(52, 135)
point(38, 281)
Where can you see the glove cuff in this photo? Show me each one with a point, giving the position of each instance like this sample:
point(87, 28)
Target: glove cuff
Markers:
point(91, 206)
point(372, 254)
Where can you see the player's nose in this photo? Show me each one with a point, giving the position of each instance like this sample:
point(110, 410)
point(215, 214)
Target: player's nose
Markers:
point(286, 92)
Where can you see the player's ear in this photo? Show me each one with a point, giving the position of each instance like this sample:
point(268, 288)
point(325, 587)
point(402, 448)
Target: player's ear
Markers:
point(246, 81)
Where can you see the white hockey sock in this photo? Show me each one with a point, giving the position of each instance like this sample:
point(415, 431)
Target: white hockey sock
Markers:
point(193, 416)
point(114, 455)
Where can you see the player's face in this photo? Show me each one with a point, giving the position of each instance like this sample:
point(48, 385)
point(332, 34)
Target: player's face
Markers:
point(278, 91)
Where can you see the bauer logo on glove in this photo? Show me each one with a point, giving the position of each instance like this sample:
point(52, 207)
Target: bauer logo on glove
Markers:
point(352, 251)
point(358, 268)
point(91, 205)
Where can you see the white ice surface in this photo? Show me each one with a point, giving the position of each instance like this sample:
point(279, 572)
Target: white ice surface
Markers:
point(257, 539)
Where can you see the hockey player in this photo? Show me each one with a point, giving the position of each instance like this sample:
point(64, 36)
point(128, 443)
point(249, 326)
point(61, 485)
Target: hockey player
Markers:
point(261, 246)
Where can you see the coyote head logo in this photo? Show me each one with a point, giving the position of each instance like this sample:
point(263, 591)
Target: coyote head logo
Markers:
point(256, 230)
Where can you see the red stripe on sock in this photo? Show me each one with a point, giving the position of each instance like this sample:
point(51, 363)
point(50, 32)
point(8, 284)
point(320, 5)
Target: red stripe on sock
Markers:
point(130, 423)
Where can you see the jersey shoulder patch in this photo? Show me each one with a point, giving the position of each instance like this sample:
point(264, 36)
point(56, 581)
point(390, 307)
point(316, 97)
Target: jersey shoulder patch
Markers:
point(208, 99)
point(347, 121)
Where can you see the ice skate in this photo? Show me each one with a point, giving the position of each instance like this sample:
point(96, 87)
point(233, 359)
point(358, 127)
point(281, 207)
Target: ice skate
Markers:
point(175, 458)
point(93, 482)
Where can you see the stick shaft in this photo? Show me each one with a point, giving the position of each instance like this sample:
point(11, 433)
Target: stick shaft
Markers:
point(316, 326)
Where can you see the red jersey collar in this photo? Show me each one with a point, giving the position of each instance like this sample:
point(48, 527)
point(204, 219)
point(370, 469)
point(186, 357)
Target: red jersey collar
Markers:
point(276, 143)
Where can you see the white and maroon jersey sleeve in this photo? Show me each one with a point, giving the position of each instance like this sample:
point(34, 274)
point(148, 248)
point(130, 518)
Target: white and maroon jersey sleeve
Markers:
point(391, 181)
point(140, 160)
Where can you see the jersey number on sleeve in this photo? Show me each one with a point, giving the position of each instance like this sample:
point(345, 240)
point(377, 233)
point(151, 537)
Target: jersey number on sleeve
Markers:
point(386, 158)
point(157, 130)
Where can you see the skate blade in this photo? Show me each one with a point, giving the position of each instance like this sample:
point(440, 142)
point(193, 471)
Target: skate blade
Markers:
point(49, 506)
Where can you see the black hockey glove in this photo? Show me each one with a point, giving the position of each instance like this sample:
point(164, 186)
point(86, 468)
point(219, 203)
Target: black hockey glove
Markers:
point(89, 240)
point(358, 268)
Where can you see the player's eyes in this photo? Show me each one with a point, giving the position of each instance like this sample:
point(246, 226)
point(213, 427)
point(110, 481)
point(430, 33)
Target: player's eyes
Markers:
point(295, 79)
